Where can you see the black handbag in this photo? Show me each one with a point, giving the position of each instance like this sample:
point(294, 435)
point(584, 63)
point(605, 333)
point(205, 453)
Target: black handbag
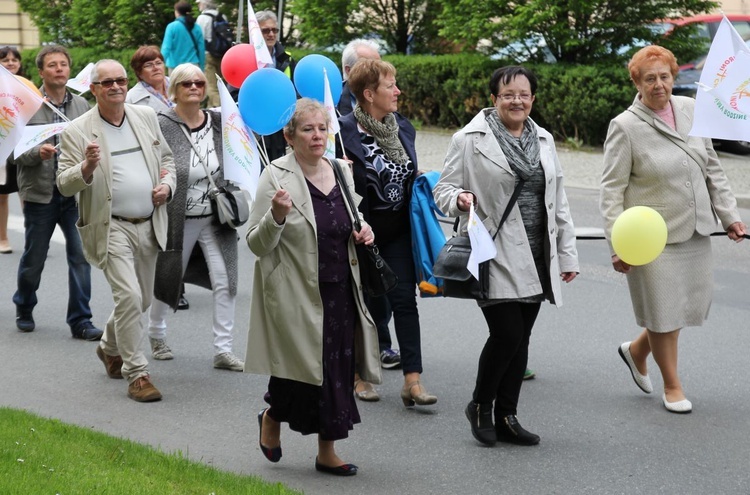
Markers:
point(228, 203)
point(377, 277)
point(451, 263)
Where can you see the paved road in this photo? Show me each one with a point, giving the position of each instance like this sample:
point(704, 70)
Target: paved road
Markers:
point(600, 434)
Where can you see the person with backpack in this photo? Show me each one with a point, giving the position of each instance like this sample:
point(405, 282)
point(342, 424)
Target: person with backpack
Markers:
point(218, 37)
point(183, 40)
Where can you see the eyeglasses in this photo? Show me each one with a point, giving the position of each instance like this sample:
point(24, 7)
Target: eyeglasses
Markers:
point(108, 83)
point(508, 97)
point(151, 65)
point(198, 84)
point(270, 30)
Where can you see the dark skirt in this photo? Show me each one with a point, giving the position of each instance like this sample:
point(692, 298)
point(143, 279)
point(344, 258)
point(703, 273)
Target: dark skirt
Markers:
point(11, 181)
point(328, 410)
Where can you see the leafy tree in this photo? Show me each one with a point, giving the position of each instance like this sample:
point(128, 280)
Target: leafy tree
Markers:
point(574, 31)
point(404, 25)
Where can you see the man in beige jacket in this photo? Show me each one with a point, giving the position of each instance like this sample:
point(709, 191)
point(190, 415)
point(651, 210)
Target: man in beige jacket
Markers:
point(116, 159)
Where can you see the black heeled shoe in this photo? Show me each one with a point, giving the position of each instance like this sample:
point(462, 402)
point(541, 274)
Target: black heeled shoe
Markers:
point(510, 431)
point(480, 417)
point(273, 454)
point(342, 470)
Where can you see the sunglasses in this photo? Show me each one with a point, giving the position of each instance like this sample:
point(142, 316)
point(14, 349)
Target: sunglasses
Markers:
point(270, 30)
point(108, 83)
point(198, 84)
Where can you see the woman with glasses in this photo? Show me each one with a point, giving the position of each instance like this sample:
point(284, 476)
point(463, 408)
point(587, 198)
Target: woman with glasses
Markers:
point(10, 58)
point(206, 252)
point(499, 150)
point(275, 144)
point(151, 88)
point(650, 160)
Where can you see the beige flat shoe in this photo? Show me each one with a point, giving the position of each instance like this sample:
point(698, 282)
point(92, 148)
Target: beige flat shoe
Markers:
point(368, 392)
point(5, 247)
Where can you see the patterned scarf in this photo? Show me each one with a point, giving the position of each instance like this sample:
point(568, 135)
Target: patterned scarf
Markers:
point(385, 134)
point(522, 153)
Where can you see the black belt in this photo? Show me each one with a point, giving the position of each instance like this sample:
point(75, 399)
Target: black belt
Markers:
point(134, 221)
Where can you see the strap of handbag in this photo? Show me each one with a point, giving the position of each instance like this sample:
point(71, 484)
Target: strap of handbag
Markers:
point(687, 149)
point(195, 43)
point(214, 190)
point(512, 202)
point(345, 191)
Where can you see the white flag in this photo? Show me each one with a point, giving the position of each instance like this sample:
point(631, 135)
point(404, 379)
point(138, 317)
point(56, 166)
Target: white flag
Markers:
point(36, 134)
point(82, 81)
point(18, 104)
point(241, 159)
point(333, 128)
point(713, 117)
point(734, 89)
point(262, 55)
point(482, 246)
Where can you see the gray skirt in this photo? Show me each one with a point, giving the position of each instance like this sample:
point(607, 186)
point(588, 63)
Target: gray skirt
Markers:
point(676, 289)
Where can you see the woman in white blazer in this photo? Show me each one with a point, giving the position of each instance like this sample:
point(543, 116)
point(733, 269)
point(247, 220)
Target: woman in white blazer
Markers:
point(535, 247)
point(649, 160)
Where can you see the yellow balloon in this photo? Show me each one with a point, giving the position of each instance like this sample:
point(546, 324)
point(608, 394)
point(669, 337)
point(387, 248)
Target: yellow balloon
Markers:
point(639, 235)
point(30, 85)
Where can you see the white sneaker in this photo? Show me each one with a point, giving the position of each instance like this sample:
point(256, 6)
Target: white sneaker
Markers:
point(228, 361)
point(160, 350)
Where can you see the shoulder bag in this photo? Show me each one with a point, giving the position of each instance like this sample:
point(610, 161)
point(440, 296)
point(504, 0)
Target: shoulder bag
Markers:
point(228, 202)
point(377, 277)
point(451, 263)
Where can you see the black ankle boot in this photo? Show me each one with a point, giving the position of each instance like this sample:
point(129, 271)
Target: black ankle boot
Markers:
point(509, 430)
point(480, 417)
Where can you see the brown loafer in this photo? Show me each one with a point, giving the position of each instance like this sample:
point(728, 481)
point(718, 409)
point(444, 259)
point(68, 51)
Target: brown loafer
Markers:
point(113, 364)
point(142, 390)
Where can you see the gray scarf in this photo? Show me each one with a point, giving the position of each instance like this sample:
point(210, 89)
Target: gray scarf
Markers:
point(385, 134)
point(522, 154)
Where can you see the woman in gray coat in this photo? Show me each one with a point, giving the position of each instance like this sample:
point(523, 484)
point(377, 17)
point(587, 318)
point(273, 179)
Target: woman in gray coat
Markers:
point(536, 247)
point(650, 160)
point(197, 246)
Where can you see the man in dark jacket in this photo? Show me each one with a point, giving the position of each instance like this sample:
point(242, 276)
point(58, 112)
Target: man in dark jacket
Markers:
point(354, 50)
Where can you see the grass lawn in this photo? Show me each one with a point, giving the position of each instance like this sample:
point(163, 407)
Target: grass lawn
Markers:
point(47, 456)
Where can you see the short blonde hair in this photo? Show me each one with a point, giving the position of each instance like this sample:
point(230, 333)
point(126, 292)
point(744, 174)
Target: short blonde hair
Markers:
point(366, 73)
point(649, 54)
point(304, 106)
point(181, 73)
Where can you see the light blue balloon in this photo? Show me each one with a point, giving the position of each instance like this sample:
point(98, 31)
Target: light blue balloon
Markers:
point(267, 100)
point(308, 78)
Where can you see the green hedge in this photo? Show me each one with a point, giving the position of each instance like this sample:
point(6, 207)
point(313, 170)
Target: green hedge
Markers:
point(573, 102)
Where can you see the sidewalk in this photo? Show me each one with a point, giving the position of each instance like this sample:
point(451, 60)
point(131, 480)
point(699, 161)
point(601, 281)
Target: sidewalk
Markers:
point(582, 169)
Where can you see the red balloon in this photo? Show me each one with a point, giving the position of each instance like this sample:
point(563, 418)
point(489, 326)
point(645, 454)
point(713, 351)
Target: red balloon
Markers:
point(238, 63)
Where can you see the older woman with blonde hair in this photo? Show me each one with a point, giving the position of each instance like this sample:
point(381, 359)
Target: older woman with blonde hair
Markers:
point(308, 321)
point(207, 251)
point(650, 160)
point(380, 144)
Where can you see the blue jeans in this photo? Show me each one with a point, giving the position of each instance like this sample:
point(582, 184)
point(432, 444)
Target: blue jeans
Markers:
point(401, 302)
point(40, 221)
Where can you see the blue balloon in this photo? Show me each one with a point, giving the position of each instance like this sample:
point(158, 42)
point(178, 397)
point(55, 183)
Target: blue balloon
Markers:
point(308, 78)
point(267, 100)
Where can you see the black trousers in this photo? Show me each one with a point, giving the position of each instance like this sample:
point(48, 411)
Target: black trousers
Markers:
point(503, 360)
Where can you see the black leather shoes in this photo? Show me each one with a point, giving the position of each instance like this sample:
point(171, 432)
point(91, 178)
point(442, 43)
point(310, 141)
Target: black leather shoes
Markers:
point(87, 331)
point(24, 321)
point(272, 454)
point(342, 470)
point(480, 417)
point(510, 431)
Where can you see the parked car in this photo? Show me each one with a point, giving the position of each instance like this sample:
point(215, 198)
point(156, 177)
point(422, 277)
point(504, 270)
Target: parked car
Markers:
point(686, 84)
point(706, 24)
